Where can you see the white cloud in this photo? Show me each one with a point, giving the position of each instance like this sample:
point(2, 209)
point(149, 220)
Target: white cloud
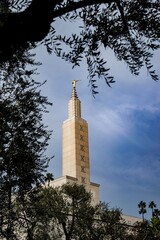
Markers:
point(111, 123)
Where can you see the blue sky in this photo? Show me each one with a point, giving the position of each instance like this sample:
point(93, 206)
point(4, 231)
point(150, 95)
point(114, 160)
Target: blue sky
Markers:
point(124, 128)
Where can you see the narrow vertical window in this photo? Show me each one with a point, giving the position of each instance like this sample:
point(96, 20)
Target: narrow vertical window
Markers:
point(82, 158)
point(82, 148)
point(82, 169)
point(81, 137)
point(81, 128)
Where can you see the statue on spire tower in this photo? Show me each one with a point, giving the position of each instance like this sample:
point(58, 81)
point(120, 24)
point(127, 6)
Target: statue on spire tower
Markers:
point(74, 83)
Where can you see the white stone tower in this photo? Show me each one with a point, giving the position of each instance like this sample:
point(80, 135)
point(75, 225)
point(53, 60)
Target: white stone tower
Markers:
point(75, 148)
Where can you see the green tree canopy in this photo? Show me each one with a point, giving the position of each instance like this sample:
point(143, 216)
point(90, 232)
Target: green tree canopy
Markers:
point(147, 229)
point(24, 139)
point(49, 177)
point(67, 212)
point(152, 205)
point(129, 28)
point(142, 208)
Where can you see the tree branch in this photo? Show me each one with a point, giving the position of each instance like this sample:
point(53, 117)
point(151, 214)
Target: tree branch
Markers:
point(32, 25)
point(122, 14)
point(77, 5)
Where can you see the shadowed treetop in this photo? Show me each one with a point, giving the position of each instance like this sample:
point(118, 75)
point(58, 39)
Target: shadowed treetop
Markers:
point(130, 28)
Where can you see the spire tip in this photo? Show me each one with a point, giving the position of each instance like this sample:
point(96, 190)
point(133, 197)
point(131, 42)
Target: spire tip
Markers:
point(74, 83)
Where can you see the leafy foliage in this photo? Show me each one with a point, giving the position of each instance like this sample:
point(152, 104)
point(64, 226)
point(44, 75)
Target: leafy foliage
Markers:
point(152, 205)
point(54, 212)
point(142, 207)
point(49, 177)
point(129, 28)
point(107, 224)
point(67, 212)
point(50, 213)
point(24, 139)
point(149, 230)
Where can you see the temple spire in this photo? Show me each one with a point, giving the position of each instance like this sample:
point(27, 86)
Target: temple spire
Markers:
point(74, 92)
point(75, 149)
point(74, 106)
